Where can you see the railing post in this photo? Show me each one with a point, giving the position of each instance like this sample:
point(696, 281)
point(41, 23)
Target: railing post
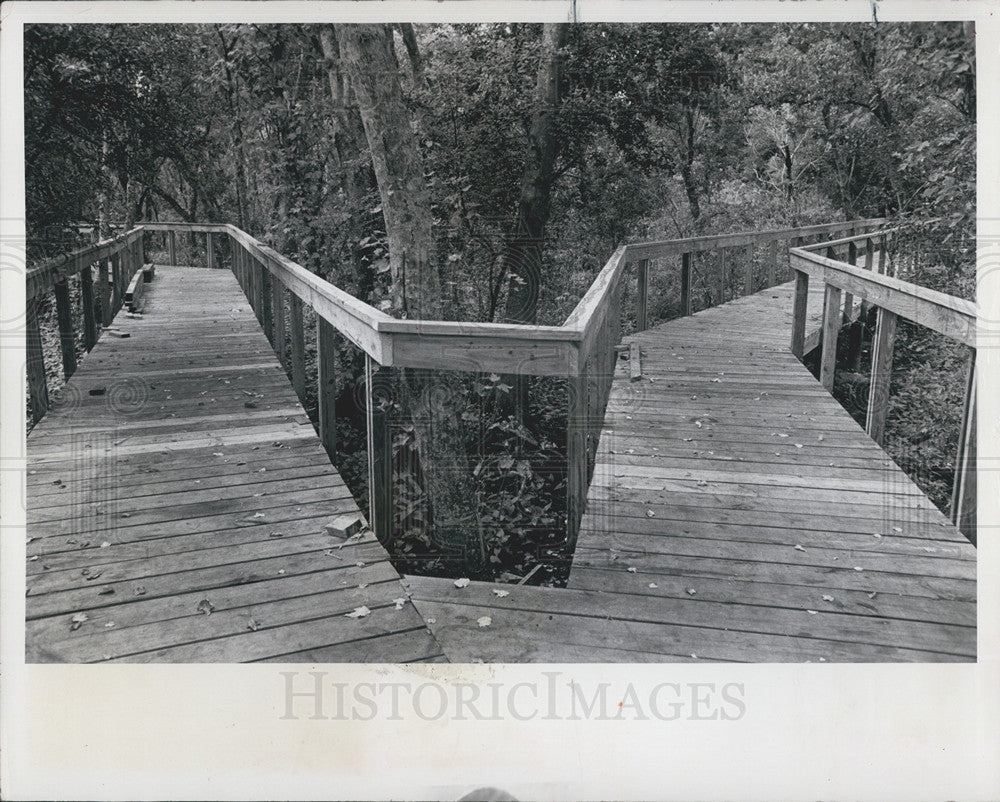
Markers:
point(37, 386)
point(116, 283)
point(686, 284)
point(642, 292)
point(878, 391)
point(852, 257)
point(831, 328)
point(963, 496)
point(799, 313)
point(67, 339)
point(772, 263)
point(379, 459)
point(87, 300)
point(576, 455)
point(172, 246)
point(210, 250)
point(298, 345)
point(326, 382)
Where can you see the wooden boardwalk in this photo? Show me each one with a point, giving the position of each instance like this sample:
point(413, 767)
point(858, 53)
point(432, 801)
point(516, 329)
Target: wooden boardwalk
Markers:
point(177, 495)
point(736, 513)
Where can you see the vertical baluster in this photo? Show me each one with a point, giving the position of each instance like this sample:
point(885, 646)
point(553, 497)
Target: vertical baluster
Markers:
point(209, 250)
point(685, 284)
point(722, 274)
point(379, 455)
point(799, 309)
point(641, 294)
point(37, 385)
point(748, 276)
point(298, 345)
point(172, 246)
point(852, 258)
point(326, 380)
point(266, 298)
point(67, 338)
point(772, 263)
point(576, 455)
point(878, 392)
point(278, 306)
point(831, 327)
point(104, 289)
point(89, 314)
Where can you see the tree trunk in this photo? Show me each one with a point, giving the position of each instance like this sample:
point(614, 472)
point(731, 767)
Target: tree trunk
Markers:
point(522, 255)
point(435, 404)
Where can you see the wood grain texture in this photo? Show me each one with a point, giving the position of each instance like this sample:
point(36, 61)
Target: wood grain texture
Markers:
point(191, 479)
point(737, 513)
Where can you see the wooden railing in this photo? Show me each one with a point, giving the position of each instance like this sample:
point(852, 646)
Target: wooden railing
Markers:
point(835, 263)
point(581, 350)
point(115, 261)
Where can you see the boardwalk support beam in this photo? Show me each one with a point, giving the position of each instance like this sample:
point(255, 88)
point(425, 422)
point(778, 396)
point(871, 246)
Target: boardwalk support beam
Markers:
point(799, 314)
point(878, 391)
point(326, 373)
point(67, 338)
point(831, 327)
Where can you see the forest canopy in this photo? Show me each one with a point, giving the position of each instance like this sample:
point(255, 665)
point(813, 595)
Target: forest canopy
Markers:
point(511, 159)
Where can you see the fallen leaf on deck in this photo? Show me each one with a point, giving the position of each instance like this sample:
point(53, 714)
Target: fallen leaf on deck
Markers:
point(106, 592)
point(897, 529)
point(276, 534)
point(205, 606)
point(140, 590)
point(359, 612)
point(876, 534)
point(399, 602)
point(650, 513)
point(697, 423)
point(32, 559)
point(109, 624)
point(432, 620)
point(632, 570)
point(827, 598)
point(500, 593)
point(485, 621)
point(462, 583)
point(105, 544)
point(811, 612)
point(858, 568)
point(653, 585)
point(218, 454)
point(691, 591)
point(257, 515)
point(77, 620)
point(799, 548)
point(798, 445)
point(253, 624)
point(362, 586)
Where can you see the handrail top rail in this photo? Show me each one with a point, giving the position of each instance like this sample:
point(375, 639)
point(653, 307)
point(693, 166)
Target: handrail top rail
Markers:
point(40, 277)
point(947, 314)
point(710, 241)
point(832, 243)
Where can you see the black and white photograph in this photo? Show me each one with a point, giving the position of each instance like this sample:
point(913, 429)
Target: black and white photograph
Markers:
point(479, 340)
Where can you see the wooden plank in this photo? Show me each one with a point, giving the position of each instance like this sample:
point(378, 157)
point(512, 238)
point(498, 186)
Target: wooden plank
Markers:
point(634, 361)
point(326, 372)
point(37, 384)
point(881, 378)
point(831, 327)
point(67, 337)
point(133, 294)
point(156, 510)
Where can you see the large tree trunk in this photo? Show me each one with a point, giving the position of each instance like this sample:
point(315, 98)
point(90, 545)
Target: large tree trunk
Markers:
point(522, 256)
point(435, 404)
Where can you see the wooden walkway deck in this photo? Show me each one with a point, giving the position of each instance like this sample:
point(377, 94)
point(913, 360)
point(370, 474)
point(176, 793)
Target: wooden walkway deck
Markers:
point(737, 513)
point(177, 496)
